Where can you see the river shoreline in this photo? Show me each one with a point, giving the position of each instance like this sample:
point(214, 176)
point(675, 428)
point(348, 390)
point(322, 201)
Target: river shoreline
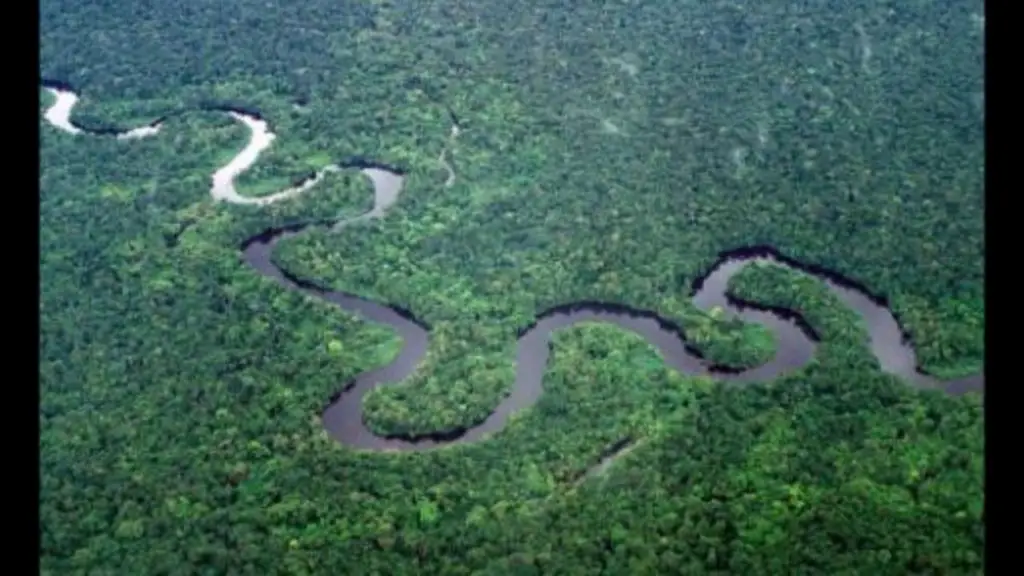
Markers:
point(343, 418)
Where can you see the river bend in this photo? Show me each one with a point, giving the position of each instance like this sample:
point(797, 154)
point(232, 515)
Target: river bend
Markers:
point(343, 418)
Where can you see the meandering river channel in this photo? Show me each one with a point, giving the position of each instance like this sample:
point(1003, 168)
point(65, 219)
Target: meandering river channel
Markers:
point(343, 419)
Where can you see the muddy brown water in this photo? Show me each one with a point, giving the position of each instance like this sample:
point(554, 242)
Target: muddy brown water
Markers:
point(343, 418)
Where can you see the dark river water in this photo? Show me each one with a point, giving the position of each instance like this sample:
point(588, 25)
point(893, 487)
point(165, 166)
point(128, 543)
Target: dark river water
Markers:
point(343, 418)
point(795, 340)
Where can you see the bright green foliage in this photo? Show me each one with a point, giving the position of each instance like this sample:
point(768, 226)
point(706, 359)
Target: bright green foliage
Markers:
point(608, 151)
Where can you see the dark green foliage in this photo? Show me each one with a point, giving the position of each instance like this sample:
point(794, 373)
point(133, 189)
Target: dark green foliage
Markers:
point(608, 152)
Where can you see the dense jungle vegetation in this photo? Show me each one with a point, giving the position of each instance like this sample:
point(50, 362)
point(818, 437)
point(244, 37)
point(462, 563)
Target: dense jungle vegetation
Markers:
point(607, 152)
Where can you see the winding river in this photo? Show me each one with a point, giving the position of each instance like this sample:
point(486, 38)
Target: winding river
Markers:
point(343, 417)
